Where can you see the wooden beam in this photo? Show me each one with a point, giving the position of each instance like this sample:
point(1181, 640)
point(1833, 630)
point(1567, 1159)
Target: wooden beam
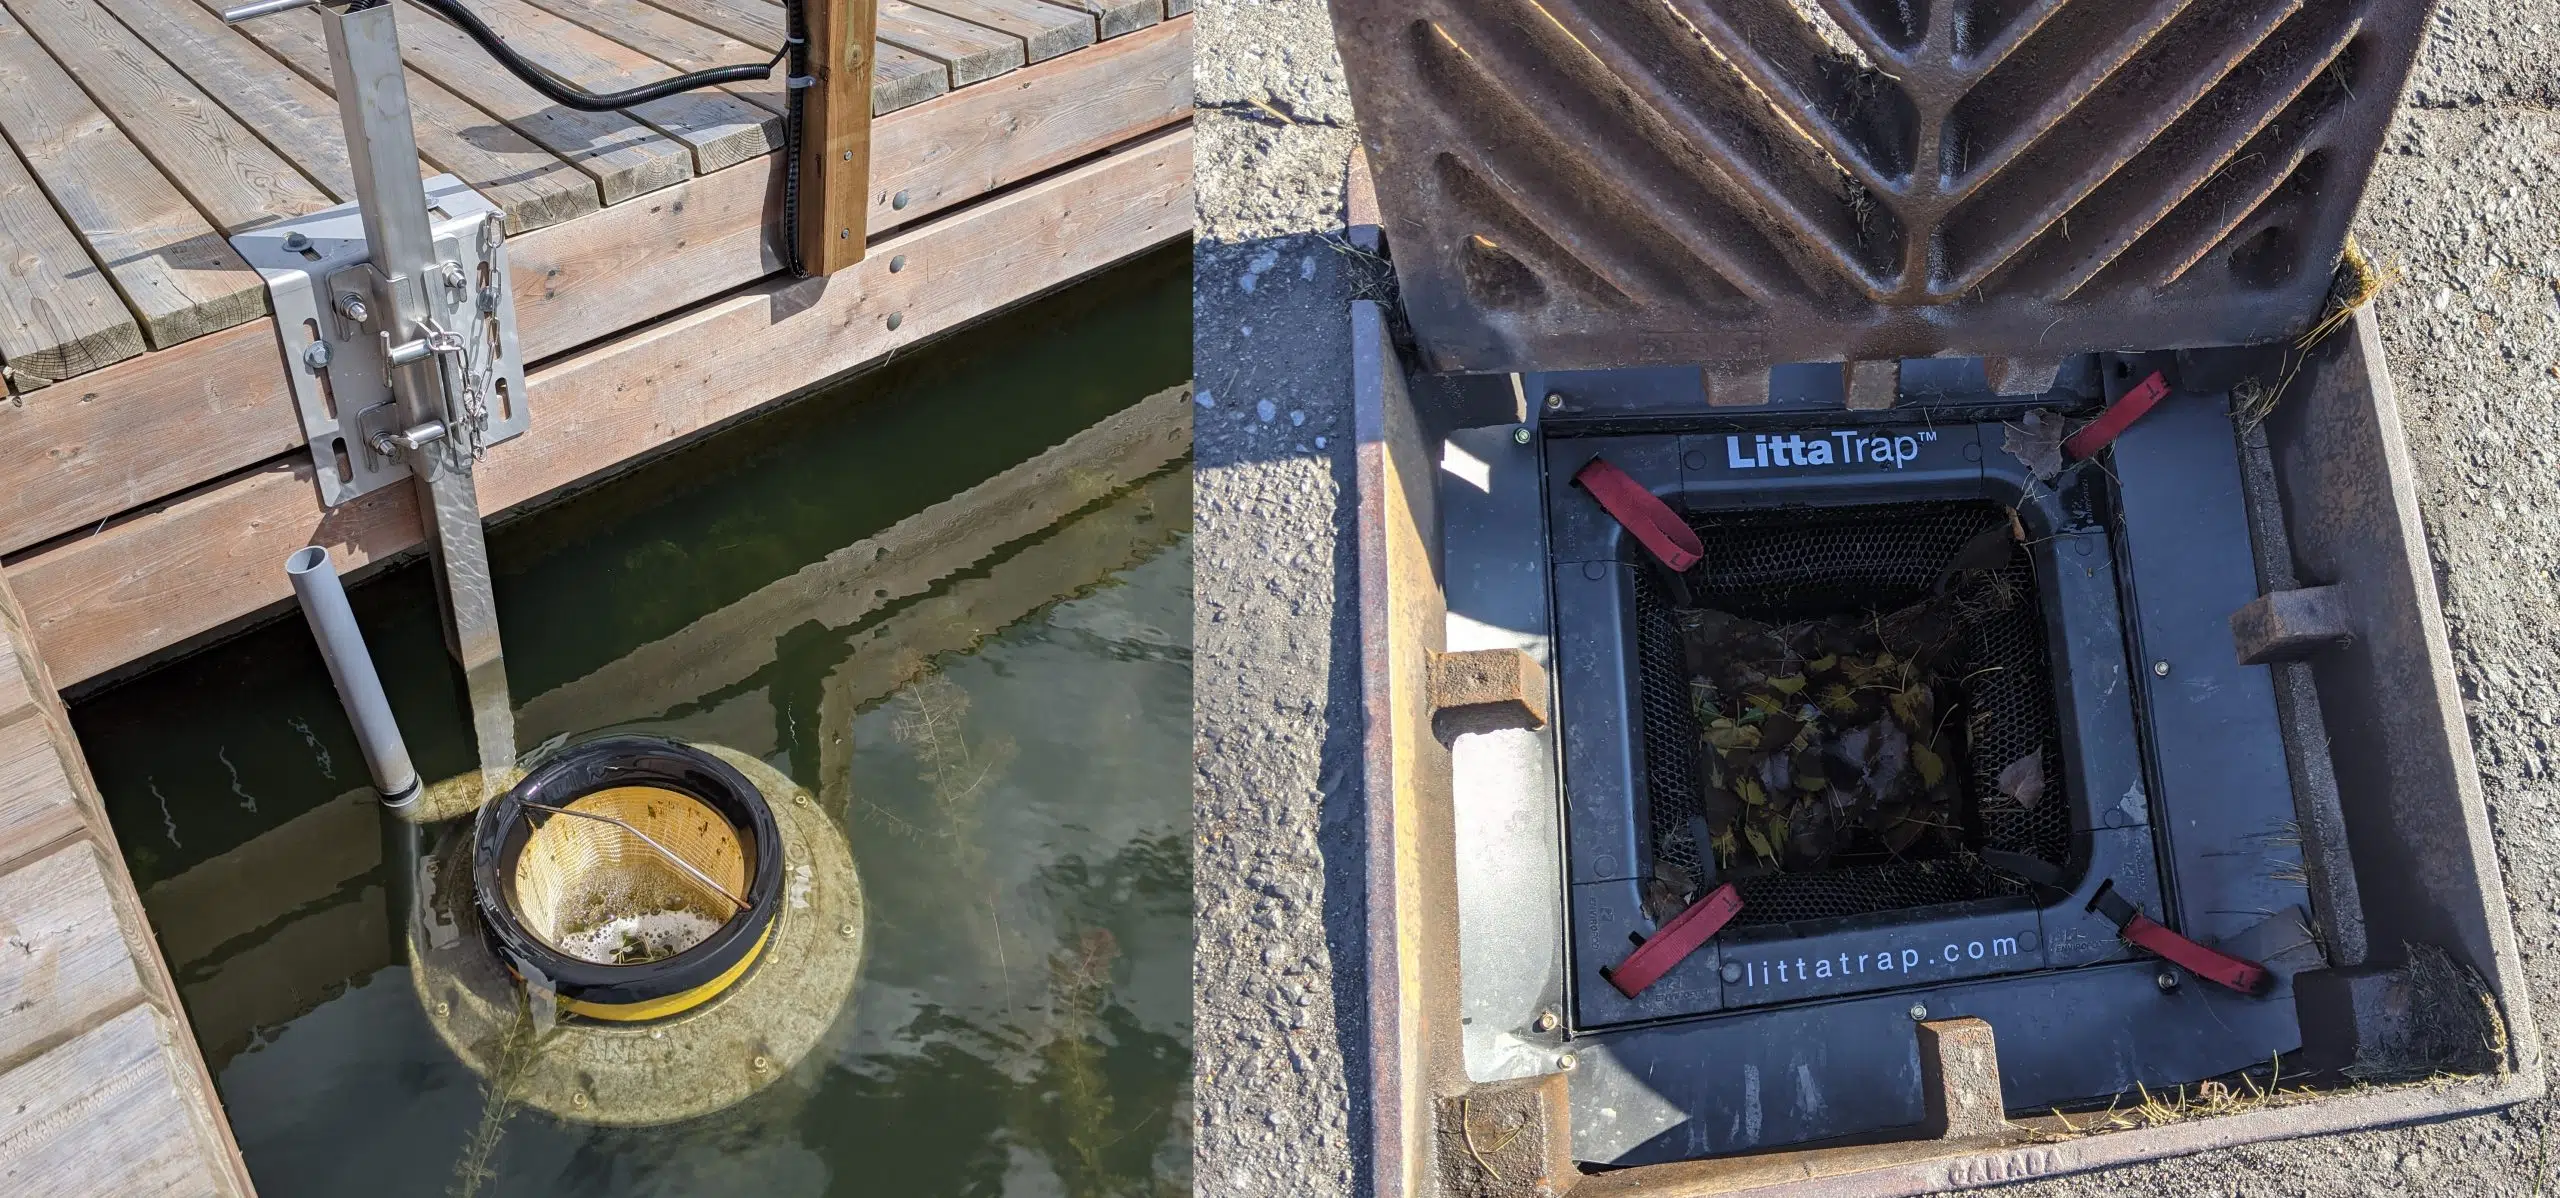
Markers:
point(174, 270)
point(153, 426)
point(835, 135)
point(155, 580)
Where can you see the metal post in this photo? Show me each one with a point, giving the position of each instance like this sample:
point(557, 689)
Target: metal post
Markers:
point(438, 430)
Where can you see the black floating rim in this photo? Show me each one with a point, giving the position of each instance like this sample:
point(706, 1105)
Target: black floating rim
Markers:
point(604, 764)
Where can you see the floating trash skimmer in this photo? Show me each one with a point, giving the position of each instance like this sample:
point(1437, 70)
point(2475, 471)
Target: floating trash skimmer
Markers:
point(696, 915)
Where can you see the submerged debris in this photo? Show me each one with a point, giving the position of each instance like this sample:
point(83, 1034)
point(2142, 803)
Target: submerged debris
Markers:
point(1833, 740)
point(640, 938)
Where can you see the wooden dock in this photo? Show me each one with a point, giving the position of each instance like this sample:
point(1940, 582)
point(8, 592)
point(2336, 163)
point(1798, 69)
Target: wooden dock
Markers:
point(152, 471)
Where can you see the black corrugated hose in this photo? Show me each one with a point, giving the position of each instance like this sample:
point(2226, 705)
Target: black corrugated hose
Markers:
point(569, 95)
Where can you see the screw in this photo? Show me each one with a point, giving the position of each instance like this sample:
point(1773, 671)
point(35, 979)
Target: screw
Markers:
point(316, 355)
point(352, 307)
point(2167, 980)
point(1547, 1021)
point(1919, 1011)
point(578, 1100)
point(899, 200)
point(1555, 401)
point(896, 319)
point(1520, 435)
point(1565, 1061)
point(761, 1064)
point(443, 1009)
point(2160, 669)
point(844, 929)
point(848, 155)
point(844, 234)
point(297, 242)
point(802, 800)
point(1732, 971)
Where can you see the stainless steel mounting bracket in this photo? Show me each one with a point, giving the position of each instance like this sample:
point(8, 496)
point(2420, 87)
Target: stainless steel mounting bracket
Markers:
point(338, 352)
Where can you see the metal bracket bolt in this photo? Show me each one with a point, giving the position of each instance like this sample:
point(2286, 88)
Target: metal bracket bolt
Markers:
point(389, 444)
point(351, 306)
point(316, 355)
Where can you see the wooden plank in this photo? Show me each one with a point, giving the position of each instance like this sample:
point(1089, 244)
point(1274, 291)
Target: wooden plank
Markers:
point(68, 966)
point(677, 42)
point(835, 138)
point(112, 1113)
point(149, 428)
point(720, 129)
point(532, 185)
point(295, 117)
point(59, 316)
point(899, 78)
point(160, 578)
point(174, 271)
point(971, 53)
point(238, 181)
point(64, 447)
point(1118, 17)
point(36, 809)
point(1046, 30)
point(626, 158)
point(1176, 8)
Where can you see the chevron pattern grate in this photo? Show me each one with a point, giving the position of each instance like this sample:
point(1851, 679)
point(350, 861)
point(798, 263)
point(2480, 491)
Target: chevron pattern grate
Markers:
point(1573, 184)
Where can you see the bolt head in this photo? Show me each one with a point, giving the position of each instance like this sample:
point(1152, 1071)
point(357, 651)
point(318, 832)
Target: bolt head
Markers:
point(899, 200)
point(297, 242)
point(896, 319)
point(316, 355)
point(352, 307)
point(1919, 1011)
point(1547, 1021)
point(1555, 401)
point(897, 262)
point(2166, 979)
point(844, 929)
point(2160, 669)
point(761, 1064)
point(1566, 1061)
point(1520, 436)
point(578, 1100)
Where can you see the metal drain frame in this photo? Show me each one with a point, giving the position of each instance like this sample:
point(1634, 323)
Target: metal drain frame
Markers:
point(1461, 1013)
point(1596, 569)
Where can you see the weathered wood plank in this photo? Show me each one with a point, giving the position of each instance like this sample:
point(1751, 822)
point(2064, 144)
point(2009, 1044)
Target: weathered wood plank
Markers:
point(720, 129)
point(238, 181)
point(69, 966)
point(531, 184)
point(174, 271)
point(159, 578)
point(677, 42)
point(111, 1113)
point(1176, 8)
point(971, 53)
point(1046, 30)
point(152, 427)
point(1117, 17)
point(59, 316)
point(899, 78)
point(35, 808)
point(296, 118)
point(626, 158)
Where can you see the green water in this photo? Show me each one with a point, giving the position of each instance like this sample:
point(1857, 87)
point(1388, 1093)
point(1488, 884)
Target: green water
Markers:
point(1002, 727)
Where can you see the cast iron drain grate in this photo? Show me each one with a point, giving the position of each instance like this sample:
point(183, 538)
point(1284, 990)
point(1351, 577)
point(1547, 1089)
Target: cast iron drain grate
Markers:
point(1801, 563)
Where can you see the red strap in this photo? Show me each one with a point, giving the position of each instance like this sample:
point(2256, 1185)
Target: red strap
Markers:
point(2111, 423)
point(2213, 965)
point(1656, 527)
point(1677, 939)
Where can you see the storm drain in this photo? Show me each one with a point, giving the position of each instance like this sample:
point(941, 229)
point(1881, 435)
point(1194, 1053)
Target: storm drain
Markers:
point(1843, 565)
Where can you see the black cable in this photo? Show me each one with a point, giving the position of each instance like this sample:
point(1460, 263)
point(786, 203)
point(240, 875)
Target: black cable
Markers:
point(561, 91)
point(796, 45)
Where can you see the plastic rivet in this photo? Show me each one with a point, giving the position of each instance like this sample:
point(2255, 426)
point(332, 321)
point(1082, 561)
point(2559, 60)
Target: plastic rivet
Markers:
point(1732, 971)
point(802, 800)
point(762, 1064)
point(443, 1009)
point(2166, 980)
point(1555, 401)
point(1520, 435)
point(578, 1100)
point(2160, 669)
point(844, 929)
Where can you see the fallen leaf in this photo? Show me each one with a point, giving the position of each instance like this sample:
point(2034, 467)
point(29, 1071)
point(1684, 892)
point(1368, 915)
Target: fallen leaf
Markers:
point(1791, 684)
point(1732, 738)
point(2023, 780)
point(1931, 767)
point(2036, 441)
point(1749, 789)
point(1824, 662)
point(1759, 843)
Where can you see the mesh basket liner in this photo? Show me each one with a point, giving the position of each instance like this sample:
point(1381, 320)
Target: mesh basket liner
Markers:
point(575, 874)
point(1789, 565)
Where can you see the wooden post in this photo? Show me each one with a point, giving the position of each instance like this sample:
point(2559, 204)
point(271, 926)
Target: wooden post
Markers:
point(835, 143)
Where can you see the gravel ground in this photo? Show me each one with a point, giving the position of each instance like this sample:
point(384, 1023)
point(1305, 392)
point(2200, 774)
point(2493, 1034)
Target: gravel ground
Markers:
point(2463, 204)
